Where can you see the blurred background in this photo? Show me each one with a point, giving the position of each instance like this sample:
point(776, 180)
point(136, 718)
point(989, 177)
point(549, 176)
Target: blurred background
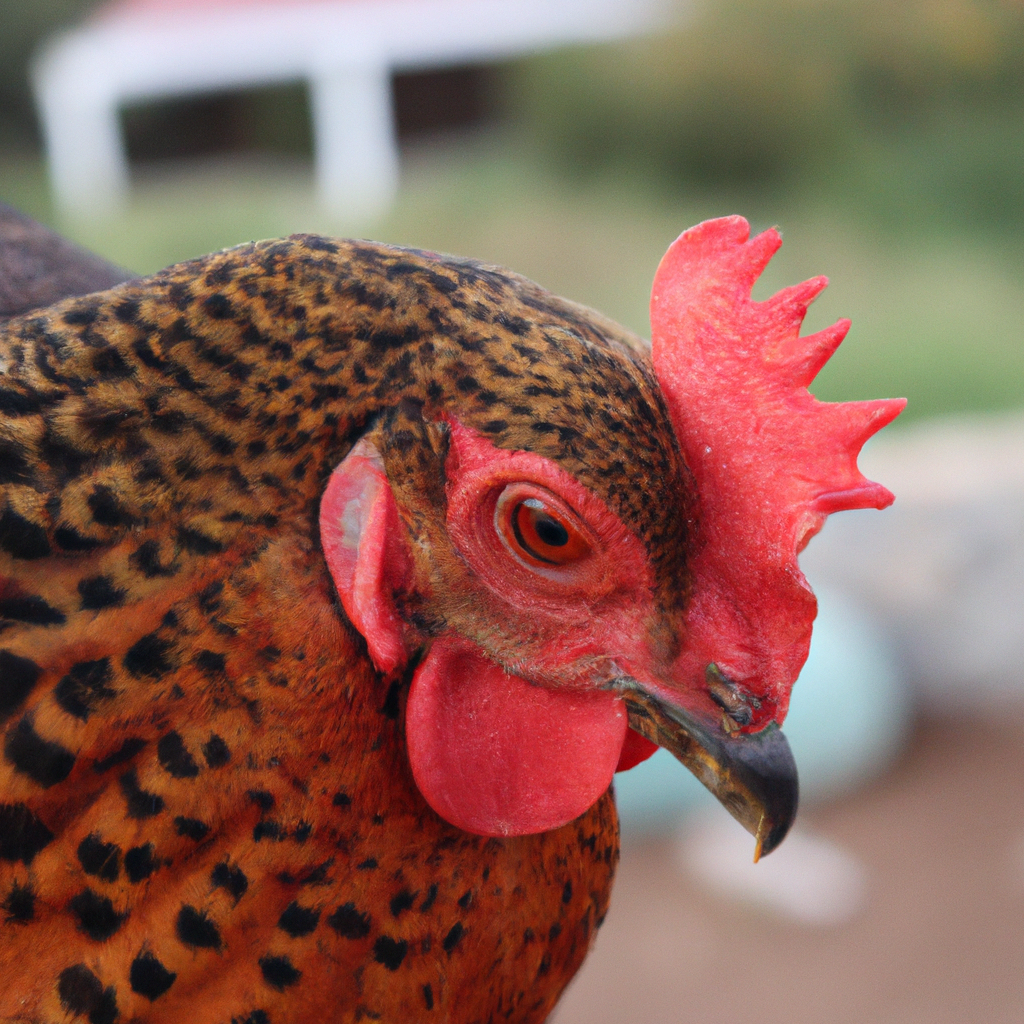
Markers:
point(887, 142)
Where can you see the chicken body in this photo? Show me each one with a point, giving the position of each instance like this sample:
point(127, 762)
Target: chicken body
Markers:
point(207, 806)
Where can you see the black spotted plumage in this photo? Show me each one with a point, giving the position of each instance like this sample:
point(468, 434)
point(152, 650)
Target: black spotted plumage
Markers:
point(204, 783)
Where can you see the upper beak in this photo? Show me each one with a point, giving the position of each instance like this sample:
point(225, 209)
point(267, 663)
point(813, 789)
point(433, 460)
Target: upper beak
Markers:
point(752, 774)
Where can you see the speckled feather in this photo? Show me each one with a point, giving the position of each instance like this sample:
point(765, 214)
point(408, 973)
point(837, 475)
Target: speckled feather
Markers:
point(207, 808)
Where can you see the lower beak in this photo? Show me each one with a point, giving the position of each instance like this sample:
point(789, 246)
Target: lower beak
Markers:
point(752, 774)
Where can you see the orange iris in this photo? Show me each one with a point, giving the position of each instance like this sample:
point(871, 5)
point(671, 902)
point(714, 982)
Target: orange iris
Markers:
point(543, 536)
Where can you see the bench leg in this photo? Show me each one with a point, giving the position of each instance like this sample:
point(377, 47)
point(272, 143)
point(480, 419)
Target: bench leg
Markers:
point(356, 152)
point(86, 158)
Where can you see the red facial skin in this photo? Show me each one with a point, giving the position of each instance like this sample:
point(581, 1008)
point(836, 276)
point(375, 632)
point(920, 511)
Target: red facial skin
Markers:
point(581, 613)
point(525, 746)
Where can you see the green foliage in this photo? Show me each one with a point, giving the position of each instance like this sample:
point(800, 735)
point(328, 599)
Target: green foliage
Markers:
point(906, 112)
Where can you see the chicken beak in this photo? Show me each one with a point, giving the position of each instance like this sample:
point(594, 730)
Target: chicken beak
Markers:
point(752, 774)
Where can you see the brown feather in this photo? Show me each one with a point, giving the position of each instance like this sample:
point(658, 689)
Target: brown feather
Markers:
point(207, 807)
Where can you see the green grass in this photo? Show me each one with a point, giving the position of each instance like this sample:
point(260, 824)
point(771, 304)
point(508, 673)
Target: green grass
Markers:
point(936, 314)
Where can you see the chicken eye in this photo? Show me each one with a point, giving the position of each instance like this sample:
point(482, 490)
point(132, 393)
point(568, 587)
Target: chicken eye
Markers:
point(540, 534)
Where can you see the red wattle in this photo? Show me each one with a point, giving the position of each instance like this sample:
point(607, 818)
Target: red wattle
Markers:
point(497, 756)
point(635, 748)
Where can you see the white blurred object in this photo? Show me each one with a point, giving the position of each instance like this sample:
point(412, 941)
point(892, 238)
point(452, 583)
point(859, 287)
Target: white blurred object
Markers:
point(849, 715)
point(346, 49)
point(808, 879)
point(851, 708)
point(944, 567)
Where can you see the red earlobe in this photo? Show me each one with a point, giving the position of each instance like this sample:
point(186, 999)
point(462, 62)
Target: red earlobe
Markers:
point(360, 533)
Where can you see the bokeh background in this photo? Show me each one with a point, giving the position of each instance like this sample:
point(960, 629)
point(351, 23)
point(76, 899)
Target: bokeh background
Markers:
point(887, 142)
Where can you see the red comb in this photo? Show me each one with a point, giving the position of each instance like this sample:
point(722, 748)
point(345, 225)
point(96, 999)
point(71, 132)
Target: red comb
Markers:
point(769, 460)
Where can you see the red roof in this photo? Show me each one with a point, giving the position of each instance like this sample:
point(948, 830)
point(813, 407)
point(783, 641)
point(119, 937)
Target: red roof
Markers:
point(118, 7)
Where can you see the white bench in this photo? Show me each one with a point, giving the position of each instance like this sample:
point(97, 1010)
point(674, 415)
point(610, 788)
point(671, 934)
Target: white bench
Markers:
point(346, 50)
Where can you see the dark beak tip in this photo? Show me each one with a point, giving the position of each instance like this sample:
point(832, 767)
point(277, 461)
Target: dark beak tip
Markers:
point(753, 774)
point(772, 840)
point(767, 770)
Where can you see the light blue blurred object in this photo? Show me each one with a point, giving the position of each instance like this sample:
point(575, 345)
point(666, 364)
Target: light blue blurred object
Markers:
point(848, 718)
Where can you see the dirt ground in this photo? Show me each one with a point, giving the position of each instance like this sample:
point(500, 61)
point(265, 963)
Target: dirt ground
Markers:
point(940, 941)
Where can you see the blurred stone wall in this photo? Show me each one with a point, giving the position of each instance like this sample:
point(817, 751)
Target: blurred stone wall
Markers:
point(943, 568)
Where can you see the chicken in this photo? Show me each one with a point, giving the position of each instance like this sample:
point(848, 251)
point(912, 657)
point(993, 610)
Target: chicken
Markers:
point(337, 581)
point(38, 267)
